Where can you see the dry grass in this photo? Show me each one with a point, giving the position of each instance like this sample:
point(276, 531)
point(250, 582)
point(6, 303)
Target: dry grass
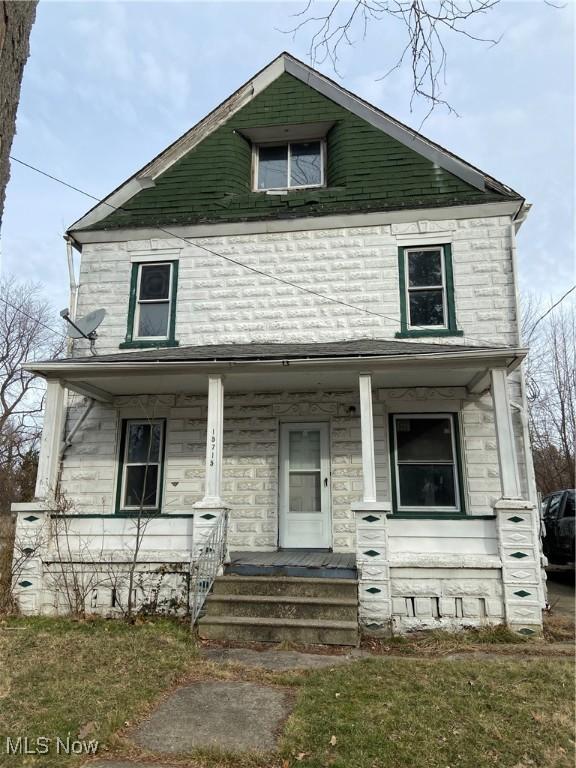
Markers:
point(559, 628)
point(59, 677)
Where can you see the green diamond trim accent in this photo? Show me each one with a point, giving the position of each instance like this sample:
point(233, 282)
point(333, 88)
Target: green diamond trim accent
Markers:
point(208, 516)
point(25, 583)
point(373, 590)
point(522, 593)
point(516, 519)
point(519, 555)
point(526, 631)
point(370, 518)
point(372, 553)
point(31, 518)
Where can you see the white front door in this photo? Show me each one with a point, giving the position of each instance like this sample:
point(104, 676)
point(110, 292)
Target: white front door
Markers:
point(305, 486)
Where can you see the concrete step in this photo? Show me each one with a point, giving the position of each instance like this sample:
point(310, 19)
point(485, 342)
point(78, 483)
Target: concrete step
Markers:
point(249, 628)
point(283, 585)
point(282, 607)
point(301, 571)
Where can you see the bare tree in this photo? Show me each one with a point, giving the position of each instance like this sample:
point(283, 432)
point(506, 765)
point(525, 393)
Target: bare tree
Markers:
point(25, 334)
point(423, 25)
point(551, 391)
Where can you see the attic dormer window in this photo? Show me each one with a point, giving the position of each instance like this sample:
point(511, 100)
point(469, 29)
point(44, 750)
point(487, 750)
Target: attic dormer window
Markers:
point(291, 165)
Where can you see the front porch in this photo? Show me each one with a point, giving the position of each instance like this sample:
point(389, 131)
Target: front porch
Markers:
point(293, 562)
point(300, 443)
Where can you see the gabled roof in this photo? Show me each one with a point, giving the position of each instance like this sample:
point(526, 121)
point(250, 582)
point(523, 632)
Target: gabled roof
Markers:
point(283, 65)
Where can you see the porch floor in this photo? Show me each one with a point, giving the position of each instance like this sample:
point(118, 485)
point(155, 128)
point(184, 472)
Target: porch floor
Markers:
point(294, 562)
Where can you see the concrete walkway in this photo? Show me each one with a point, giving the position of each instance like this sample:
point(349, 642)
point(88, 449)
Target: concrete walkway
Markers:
point(279, 661)
point(227, 714)
point(238, 716)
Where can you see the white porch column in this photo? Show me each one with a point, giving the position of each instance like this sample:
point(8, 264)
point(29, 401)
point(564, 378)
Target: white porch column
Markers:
point(214, 438)
point(517, 535)
point(367, 430)
point(509, 479)
point(50, 441)
point(371, 530)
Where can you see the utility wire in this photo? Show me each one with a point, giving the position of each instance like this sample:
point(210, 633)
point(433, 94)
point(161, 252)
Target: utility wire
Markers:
point(556, 303)
point(204, 248)
point(30, 317)
point(235, 261)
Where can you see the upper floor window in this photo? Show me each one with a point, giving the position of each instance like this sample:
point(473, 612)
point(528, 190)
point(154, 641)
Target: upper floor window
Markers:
point(153, 301)
point(294, 165)
point(152, 310)
point(427, 291)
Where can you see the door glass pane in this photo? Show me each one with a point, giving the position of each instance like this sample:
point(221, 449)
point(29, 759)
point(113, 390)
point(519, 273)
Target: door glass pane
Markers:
point(424, 268)
point(141, 481)
point(569, 507)
point(305, 164)
point(304, 492)
point(138, 443)
point(427, 485)
point(426, 307)
point(155, 281)
point(304, 449)
point(554, 505)
point(272, 167)
point(424, 439)
point(154, 319)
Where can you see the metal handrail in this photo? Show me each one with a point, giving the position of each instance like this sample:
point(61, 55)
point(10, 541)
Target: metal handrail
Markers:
point(206, 565)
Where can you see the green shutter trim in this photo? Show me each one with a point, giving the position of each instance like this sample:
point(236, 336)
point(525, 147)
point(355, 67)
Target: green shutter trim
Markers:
point(432, 514)
point(366, 170)
point(405, 332)
point(120, 468)
point(129, 343)
point(132, 304)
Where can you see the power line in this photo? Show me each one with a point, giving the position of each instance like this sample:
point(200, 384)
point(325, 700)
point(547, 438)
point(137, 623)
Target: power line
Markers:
point(208, 250)
point(30, 317)
point(230, 259)
point(556, 303)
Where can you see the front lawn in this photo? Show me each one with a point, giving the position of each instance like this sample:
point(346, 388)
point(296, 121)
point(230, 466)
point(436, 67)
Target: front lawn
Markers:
point(60, 677)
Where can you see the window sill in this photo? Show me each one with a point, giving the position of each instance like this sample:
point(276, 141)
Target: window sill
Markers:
point(438, 516)
point(143, 344)
point(415, 334)
point(90, 516)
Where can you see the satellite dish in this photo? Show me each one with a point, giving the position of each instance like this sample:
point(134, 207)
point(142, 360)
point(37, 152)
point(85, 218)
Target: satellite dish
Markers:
point(84, 327)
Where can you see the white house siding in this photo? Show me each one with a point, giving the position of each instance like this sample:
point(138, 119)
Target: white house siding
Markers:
point(219, 302)
point(250, 478)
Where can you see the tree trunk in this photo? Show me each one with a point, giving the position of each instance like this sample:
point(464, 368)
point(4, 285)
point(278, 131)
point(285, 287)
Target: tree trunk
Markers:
point(16, 19)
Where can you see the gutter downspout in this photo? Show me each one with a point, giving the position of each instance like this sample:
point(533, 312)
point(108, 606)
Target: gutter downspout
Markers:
point(82, 418)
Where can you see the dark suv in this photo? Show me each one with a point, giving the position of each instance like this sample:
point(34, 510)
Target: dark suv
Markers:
point(560, 522)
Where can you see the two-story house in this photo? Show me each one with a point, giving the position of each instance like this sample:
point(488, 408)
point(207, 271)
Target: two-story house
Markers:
point(311, 346)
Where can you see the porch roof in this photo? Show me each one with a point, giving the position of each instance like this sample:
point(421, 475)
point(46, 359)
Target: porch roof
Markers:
point(274, 366)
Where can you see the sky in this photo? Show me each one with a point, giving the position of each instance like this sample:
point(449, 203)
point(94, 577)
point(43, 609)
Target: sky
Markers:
point(110, 84)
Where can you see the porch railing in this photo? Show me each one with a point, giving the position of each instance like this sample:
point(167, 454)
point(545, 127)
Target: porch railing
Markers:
point(206, 564)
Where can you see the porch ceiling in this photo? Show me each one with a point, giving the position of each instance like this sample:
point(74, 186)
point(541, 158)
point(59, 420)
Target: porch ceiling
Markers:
point(281, 367)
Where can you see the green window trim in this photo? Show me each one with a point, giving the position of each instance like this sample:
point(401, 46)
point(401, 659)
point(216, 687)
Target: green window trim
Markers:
point(119, 510)
point(143, 343)
point(431, 514)
point(406, 331)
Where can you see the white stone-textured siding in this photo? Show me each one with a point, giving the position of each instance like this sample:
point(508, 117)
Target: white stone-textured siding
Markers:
point(219, 302)
point(250, 477)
